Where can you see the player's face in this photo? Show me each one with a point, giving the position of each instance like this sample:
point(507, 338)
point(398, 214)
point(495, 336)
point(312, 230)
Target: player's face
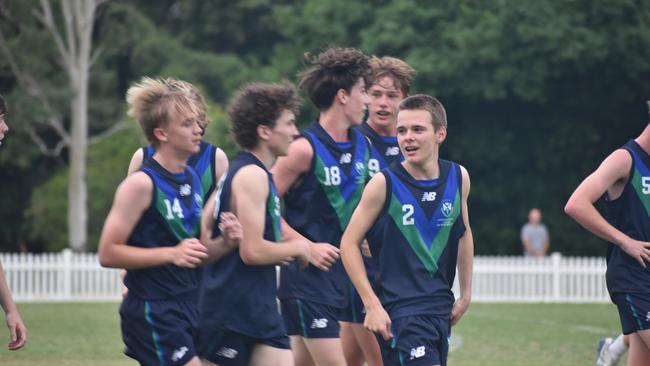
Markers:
point(3, 127)
point(283, 133)
point(417, 137)
point(358, 101)
point(183, 132)
point(384, 98)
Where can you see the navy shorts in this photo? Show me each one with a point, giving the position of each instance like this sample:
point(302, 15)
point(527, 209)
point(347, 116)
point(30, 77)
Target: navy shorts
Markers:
point(160, 332)
point(418, 340)
point(229, 348)
point(634, 311)
point(309, 319)
point(355, 312)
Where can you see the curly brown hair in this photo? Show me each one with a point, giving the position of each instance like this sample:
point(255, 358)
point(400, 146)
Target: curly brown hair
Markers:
point(401, 72)
point(258, 104)
point(333, 69)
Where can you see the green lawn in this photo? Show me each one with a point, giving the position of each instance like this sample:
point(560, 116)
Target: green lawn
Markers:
point(489, 334)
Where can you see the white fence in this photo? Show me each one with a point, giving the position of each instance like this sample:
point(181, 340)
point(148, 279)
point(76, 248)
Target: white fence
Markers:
point(69, 276)
point(64, 276)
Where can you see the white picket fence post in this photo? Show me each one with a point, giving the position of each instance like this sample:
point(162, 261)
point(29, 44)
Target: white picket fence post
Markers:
point(69, 276)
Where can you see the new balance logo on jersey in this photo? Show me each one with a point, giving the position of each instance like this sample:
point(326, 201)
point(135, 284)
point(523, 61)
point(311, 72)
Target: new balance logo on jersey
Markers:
point(185, 190)
point(429, 196)
point(178, 353)
point(319, 323)
point(345, 158)
point(392, 151)
point(227, 352)
point(417, 352)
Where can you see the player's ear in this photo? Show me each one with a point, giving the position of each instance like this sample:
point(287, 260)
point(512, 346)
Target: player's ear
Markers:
point(160, 134)
point(441, 134)
point(342, 96)
point(263, 132)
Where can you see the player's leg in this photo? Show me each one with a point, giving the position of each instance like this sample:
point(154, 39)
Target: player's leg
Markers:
point(194, 362)
point(325, 351)
point(301, 355)
point(265, 355)
point(368, 343)
point(639, 348)
point(351, 349)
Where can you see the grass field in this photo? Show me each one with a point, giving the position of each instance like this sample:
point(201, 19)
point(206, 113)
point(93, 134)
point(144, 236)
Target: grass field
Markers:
point(75, 334)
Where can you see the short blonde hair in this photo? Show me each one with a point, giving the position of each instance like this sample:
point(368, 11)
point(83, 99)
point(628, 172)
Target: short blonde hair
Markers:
point(152, 102)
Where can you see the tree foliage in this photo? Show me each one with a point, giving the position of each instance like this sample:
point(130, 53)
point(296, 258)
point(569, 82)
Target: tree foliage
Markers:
point(537, 93)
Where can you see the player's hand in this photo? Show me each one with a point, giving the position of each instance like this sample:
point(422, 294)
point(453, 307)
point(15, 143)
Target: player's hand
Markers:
point(231, 229)
point(17, 330)
point(460, 306)
point(378, 321)
point(365, 249)
point(323, 255)
point(190, 253)
point(639, 250)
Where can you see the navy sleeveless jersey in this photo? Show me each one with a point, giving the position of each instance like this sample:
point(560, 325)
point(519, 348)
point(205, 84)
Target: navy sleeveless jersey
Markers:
point(320, 208)
point(630, 213)
point(384, 150)
point(415, 241)
point(202, 162)
point(237, 296)
point(174, 215)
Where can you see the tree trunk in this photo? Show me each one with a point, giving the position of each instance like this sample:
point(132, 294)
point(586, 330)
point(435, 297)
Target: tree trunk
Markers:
point(79, 74)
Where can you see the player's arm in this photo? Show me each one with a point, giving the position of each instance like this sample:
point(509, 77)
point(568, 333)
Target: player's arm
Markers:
point(250, 197)
point(220, 162)
point(366, 213)
point(465, 256)
point(614, 170)
point(17, 330)
point(287, 172)
point(136, 161)
point(132, 198)
point(231, 231)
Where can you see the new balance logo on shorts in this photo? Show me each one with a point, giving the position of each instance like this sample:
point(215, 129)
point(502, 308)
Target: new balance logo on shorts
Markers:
point(179, 353)
point(647, 317)
point(227, 352)
point(319, 323)
point(417, 352)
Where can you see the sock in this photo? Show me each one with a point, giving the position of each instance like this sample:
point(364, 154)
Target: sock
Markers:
point(617, 348)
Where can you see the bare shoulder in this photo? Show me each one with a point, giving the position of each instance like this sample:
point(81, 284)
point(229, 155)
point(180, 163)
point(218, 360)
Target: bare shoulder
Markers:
point(220, 157)
point(137, 187)
point(136, 161)
point(251, 181)
point(618, 162)
point(464, 174)
point(301, 149)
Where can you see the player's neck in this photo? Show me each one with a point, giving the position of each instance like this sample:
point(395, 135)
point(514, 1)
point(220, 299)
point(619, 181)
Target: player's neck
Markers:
point(426, 170)
point(265, 155)
point(335, 123)
point(390, 130)
point(171, 163)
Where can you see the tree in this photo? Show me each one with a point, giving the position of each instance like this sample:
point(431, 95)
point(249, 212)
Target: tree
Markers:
point(72, 33)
